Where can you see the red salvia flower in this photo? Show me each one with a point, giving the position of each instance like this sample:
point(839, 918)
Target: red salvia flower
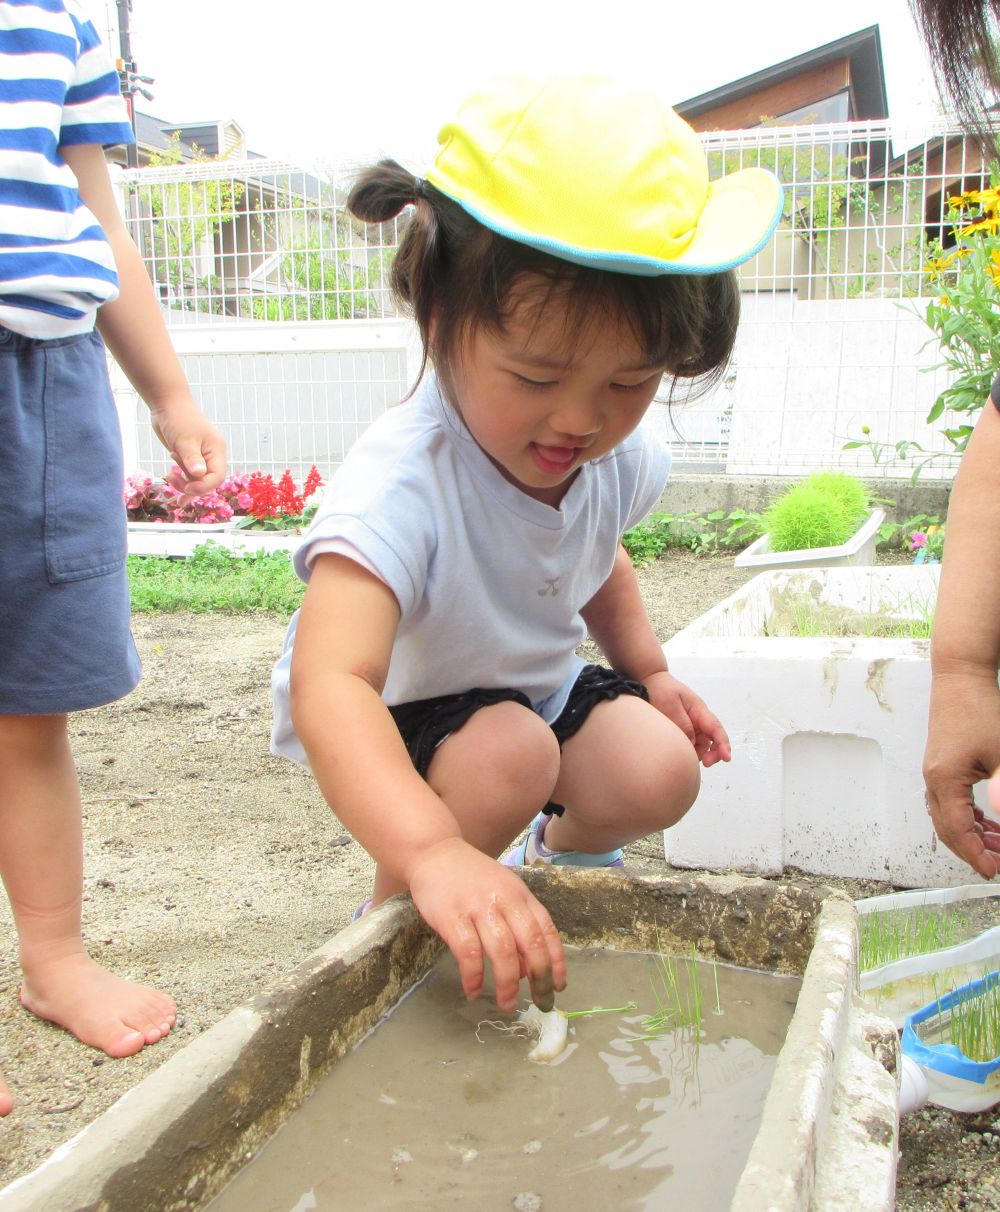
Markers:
point(289, 501)
point(313, 481)
point(264, 495)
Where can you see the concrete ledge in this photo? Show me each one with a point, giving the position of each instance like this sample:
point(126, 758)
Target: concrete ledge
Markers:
point(177, 1138)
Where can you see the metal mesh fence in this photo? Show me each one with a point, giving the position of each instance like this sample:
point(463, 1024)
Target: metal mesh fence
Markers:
point(832, 340)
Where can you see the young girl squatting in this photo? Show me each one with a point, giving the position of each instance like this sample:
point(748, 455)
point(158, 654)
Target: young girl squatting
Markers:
point(565, 252)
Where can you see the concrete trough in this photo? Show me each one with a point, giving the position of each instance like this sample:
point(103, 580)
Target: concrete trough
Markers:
point(828, 1135)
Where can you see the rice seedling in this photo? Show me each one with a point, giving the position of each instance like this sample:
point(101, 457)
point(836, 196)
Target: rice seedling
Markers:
point(800, 615)
point(676, 985)
point(971, 1023)
point(886, 937)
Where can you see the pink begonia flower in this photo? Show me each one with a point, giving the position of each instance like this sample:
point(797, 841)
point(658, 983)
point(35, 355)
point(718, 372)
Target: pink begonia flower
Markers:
point(208, 518)
point(917, 539)
point(244, 500)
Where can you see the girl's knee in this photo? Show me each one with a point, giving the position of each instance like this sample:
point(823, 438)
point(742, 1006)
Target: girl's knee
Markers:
point(506, 744)
point(682, 781)
point(666, 783)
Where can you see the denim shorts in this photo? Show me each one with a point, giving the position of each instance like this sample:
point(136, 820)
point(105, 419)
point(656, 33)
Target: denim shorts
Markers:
point(65, 642)
point(424, 724)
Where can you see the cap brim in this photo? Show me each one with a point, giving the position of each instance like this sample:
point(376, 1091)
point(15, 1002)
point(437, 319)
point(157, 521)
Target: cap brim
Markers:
point(740, 214)
point(739, 217)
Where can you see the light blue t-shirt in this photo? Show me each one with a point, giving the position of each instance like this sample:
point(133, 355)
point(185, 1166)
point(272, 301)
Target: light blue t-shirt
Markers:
point(57, 89)
point(490, 582)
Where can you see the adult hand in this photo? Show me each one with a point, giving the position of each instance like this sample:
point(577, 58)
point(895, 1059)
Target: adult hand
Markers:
point(196, 446)
point(483, 911)
point(963, 748)
point(681, 705)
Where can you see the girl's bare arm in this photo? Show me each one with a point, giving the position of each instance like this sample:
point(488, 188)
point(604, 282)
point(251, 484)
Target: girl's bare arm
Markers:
point(481, 909)
point(133, 327)
point(616, 618)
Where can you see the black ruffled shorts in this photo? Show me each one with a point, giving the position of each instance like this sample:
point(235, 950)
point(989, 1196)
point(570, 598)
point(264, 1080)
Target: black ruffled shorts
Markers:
point(425, 723)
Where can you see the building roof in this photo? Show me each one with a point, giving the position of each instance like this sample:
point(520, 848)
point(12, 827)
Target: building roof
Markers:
point(156, 133)
point(867, 77)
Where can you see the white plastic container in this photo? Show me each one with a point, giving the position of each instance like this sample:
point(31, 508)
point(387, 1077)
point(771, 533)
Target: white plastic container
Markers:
point(952, 1079)
point(828, 735)
point(900, 988)
point(179, 539)
point(859, 549)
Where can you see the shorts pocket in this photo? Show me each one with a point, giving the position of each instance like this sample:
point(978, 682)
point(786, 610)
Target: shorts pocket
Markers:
point(85, 532)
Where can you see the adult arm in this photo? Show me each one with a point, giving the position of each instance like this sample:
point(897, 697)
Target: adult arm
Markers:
point(481, 909)
point(617, 620)
point(963, 742)
point(132, 326)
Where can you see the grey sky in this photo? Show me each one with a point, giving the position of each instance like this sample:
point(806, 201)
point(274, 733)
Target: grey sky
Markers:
point(342, 83)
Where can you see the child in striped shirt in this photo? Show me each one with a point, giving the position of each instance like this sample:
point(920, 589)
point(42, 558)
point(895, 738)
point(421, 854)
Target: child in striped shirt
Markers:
point(66, 264)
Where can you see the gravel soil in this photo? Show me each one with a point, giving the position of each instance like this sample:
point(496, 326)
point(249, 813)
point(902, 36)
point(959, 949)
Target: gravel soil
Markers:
point(211, 867)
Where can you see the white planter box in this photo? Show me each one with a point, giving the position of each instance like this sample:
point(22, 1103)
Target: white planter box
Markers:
point(859, 549)
point(828, 735)
point(181, 538)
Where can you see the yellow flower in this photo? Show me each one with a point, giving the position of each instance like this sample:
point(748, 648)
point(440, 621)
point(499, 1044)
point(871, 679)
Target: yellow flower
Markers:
point(988, 223)
point(988, 199)
point(956, 254)
point(944, 301)
point(993, 269)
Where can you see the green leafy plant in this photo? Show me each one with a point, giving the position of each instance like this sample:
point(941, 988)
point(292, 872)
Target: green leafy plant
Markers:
point(823, 510)
point(892, 534)
point(928, 546)
point(965, 322)
point(704, 534)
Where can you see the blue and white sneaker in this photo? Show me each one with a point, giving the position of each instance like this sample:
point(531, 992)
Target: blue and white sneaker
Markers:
point(533, 852)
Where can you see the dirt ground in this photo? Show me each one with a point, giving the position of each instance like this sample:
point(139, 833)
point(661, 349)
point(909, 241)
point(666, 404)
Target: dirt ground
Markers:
point(211, 867)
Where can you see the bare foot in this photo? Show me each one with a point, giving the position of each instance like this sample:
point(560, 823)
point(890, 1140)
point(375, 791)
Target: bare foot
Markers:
point(100, 1009)
point(6, 1102)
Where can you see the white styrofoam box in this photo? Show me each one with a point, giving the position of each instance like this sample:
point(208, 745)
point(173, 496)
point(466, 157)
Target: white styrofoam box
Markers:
point(828, 734)
point(859, 549)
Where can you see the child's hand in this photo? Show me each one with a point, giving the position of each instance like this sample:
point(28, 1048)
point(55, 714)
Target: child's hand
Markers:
point(196, 446)
point(692, 717)
point(482, 910)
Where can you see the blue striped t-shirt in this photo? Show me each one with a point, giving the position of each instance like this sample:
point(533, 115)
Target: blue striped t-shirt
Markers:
point(58, 88)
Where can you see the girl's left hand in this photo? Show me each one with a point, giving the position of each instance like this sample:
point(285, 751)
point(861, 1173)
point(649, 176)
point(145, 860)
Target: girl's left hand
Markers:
point(701, 727)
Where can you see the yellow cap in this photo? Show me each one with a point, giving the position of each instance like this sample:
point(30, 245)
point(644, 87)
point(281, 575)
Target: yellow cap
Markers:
point(597, 172)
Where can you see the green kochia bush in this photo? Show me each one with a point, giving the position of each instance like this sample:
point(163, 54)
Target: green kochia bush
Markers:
point(824, 510)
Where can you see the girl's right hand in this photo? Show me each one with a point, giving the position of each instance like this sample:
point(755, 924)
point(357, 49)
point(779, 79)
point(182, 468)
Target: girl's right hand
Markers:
point(483, 911)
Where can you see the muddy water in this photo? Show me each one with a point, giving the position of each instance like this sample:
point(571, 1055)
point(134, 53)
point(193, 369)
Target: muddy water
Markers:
point(435, 1111)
